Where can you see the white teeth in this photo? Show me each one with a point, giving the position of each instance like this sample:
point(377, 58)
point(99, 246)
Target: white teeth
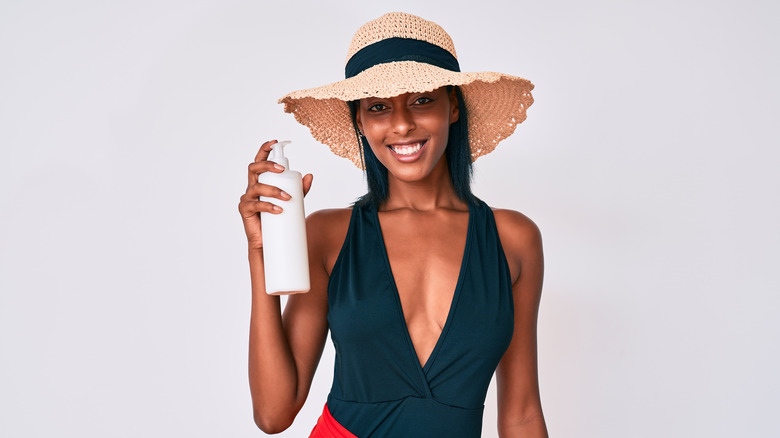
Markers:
point(406, 149)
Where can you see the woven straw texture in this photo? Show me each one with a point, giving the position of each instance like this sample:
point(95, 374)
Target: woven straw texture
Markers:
point(400, 25)
point(496, 103)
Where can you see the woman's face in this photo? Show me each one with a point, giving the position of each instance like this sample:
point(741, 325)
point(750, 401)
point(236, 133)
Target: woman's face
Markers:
point(408, 133)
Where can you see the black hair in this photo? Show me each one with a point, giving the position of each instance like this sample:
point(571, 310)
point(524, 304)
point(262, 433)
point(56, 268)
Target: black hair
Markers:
point(457, 153)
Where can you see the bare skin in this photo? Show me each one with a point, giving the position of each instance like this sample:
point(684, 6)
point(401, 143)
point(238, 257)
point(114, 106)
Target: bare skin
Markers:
point(424, 228)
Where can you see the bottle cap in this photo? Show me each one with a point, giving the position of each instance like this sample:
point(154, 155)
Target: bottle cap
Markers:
point(277, 154)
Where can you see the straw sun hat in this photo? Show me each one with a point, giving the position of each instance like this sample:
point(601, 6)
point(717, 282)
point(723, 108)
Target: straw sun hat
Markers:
point(400, 53)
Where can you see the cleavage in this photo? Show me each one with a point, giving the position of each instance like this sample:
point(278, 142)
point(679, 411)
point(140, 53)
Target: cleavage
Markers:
point(425, 251)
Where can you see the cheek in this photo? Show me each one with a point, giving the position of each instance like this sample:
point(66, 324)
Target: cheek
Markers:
point(374, 142)
point(373, 137)
point(440, 125)
point(370, 127)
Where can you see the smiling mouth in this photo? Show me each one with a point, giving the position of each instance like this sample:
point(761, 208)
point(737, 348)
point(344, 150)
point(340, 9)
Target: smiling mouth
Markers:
point(407, 149)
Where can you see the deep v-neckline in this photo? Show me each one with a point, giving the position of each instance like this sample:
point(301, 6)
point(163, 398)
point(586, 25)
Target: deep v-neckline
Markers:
point(453, 303)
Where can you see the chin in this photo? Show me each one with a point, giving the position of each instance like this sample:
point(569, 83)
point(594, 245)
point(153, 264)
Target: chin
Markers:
point(412, 172)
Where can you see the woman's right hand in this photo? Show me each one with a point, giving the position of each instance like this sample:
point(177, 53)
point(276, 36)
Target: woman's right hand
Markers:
point(250, 206)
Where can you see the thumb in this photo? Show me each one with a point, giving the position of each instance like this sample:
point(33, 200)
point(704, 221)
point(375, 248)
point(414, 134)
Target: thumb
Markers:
point(307, 179)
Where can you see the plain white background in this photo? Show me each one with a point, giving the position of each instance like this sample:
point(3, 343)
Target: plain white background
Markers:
point(649, 161)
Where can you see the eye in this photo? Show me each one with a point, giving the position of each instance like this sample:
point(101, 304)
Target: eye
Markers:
point(377, 107)
point(423, 100)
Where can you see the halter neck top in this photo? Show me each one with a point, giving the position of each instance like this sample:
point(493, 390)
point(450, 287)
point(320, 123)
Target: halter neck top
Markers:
point(380, 389)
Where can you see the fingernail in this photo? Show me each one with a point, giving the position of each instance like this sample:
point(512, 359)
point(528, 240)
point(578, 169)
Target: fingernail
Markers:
point(286, 196)
point(277, 209)
point(278, 166)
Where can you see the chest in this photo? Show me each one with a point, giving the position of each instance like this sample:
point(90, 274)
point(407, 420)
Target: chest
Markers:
point(433, 313)
point(426, 255)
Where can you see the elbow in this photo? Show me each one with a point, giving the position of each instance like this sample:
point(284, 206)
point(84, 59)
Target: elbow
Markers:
point(271, 424)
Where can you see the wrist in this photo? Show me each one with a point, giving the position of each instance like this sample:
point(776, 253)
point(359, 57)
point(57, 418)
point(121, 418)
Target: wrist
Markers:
point(255, 252)
point(255, 245)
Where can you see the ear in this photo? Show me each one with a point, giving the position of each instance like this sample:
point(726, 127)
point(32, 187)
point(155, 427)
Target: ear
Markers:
point(357, 119)
point(454, 108)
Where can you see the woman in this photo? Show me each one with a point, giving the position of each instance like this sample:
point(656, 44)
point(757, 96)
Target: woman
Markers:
point(426, 290)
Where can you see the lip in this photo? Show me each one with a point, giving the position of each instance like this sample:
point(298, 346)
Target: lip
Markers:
point(407, 157)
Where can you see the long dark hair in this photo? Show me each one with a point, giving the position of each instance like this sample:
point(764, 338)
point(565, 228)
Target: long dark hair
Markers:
point(457, 153)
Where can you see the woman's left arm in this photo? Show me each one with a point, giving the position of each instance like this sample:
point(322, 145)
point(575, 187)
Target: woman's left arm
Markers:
point(517, 376)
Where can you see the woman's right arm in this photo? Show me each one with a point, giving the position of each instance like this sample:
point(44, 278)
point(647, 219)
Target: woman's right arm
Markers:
point(283, 350)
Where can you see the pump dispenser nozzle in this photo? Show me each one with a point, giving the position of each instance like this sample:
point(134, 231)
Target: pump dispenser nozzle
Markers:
point(277, 154)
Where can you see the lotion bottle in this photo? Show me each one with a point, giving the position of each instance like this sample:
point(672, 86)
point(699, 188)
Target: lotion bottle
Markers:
point(285, 253)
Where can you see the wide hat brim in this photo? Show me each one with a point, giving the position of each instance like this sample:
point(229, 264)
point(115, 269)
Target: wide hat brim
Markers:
point(496, 103)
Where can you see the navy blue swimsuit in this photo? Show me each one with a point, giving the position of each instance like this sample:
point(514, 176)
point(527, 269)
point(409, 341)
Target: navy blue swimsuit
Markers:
point(379, 388)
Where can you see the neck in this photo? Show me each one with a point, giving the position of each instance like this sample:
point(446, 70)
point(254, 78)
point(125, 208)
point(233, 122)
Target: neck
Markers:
point(432, 192)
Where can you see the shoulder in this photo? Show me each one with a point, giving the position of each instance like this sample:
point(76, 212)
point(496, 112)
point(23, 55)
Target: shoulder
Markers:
point(331, 216)
point(327, 224)
point(520, 238)
point(326, 231)
point(516, 226)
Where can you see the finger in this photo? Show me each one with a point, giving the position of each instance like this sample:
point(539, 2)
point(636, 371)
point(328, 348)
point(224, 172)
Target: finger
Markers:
point(265, 149)
point(307, 179)
point(250, 208)
point(256, 168)
point(257, 189)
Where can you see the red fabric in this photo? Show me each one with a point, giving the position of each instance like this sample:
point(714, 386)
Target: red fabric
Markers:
point(328, 427)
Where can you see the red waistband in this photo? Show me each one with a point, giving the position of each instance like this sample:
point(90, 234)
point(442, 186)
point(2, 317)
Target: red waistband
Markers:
point(328, 427)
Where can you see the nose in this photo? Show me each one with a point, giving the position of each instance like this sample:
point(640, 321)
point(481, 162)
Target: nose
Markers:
point(402, 120)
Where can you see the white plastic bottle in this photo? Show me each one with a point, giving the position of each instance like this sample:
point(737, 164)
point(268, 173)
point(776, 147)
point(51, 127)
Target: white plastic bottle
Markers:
point(285, 252)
